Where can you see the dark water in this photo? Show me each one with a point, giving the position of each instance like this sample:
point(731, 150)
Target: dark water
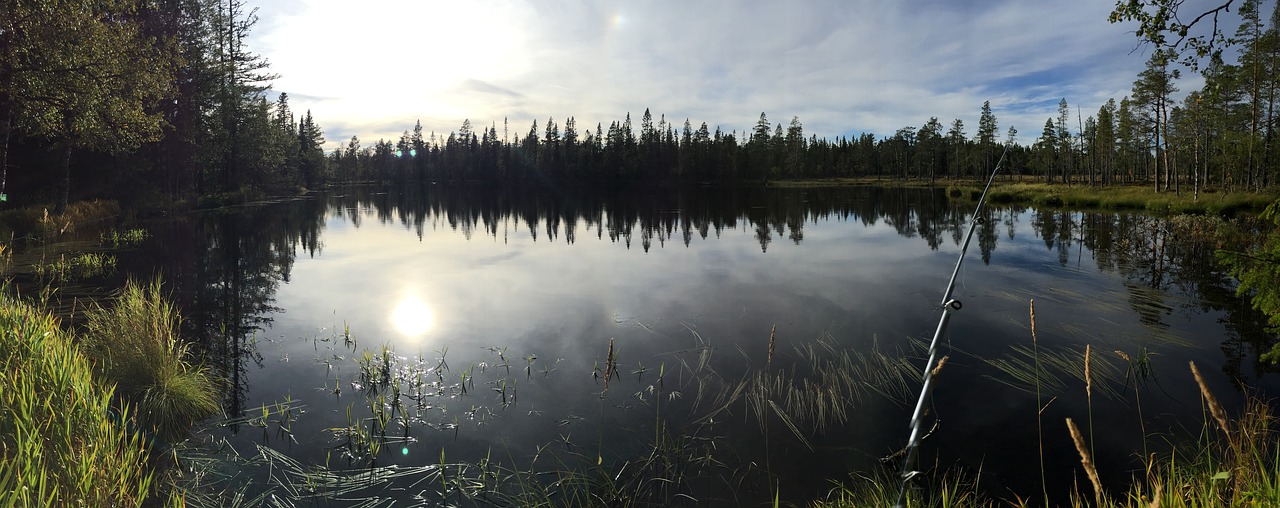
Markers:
point(494, 313)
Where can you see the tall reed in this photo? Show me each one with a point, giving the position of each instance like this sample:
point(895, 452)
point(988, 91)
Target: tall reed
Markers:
point(1035, 343)
point(1137, 373)
point(1086, 461)
point(1088, 391)
point(61, 441)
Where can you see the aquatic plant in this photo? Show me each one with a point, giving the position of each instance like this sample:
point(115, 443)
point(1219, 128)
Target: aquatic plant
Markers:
point(116, 239)
point(81, 266)
point(136, 345)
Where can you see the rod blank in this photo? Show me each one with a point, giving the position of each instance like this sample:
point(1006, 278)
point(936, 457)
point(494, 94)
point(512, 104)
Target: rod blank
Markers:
point(949, 305)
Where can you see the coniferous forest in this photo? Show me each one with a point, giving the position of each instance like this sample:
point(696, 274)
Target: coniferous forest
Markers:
point(115, 112)
point(162, 101)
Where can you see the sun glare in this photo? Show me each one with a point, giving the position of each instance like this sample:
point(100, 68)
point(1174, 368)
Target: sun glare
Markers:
point(412, 317)
point(463, 41)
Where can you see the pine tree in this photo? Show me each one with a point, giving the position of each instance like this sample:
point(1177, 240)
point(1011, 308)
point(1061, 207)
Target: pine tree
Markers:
point(986, 137)
point(1152, 90)
point(311, 158)
point(1105, 141)
point(795, 148)
point(1065, 150)
point(1047, 149)
point(929, 139)
point(419, 152)
point(956, 144)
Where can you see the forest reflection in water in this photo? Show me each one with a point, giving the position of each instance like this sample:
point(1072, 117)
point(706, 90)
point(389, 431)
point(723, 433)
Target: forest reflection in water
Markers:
point(527, 294)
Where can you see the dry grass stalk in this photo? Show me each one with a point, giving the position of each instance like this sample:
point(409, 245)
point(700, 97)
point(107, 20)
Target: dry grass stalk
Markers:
point(608, 365)
point(1087, 461)
point(938, 368)
point(1123, 356)
point(1033, 322)
point(1088, 380)
point(1215, 409)
point(772, 332)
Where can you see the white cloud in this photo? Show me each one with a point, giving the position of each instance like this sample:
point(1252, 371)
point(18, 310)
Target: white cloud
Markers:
point(841, 66)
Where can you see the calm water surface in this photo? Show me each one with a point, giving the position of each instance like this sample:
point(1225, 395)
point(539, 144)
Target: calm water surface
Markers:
point(494, 314)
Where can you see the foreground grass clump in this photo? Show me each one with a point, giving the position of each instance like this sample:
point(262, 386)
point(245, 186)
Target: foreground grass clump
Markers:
point(952, 489)
point(61, 441)
point(136, 345)
point(1234, 463)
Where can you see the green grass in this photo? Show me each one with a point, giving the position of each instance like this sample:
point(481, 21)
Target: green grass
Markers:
point(82, 266)
point(61, 441)
point(116, 239)
point(1238, 466)
point(136, 345)
point(951, 489)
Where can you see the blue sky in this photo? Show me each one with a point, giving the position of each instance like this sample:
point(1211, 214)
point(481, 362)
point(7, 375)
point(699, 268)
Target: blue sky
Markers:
point(841, 66)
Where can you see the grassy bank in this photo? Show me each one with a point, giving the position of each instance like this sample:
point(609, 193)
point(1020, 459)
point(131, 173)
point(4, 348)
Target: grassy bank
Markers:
point(62, 439)
point(68, 436)
point(1116, 198)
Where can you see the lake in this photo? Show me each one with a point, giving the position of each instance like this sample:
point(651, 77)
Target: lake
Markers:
point(439, 345)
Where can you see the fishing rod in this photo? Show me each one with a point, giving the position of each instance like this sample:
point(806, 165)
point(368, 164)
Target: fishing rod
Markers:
point(949, 305)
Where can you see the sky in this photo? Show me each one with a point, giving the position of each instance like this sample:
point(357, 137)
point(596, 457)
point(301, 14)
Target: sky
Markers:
point(843, 67)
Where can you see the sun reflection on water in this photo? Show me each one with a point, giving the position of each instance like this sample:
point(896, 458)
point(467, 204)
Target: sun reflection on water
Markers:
point(412, 317)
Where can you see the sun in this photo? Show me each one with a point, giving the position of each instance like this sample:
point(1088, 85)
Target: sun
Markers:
point(412, 317)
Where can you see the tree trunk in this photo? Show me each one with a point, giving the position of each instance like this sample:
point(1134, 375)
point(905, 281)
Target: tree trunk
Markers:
point(64, 182)
point(6, 120)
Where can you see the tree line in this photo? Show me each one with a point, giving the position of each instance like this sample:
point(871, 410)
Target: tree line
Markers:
point(1222, 136)
point(161, 100)
point(143, 99)
point(662, 152)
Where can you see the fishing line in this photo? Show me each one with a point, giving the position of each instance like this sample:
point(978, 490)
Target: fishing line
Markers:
point(949, 305)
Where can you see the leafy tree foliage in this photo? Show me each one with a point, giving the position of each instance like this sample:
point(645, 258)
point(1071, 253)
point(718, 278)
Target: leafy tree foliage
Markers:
point(80, 75)
point(1163, 24)
point(1258, 271)
point(157, 97)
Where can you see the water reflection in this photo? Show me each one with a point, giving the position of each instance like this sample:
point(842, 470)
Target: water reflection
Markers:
point(285, 297)
point(412, 317)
